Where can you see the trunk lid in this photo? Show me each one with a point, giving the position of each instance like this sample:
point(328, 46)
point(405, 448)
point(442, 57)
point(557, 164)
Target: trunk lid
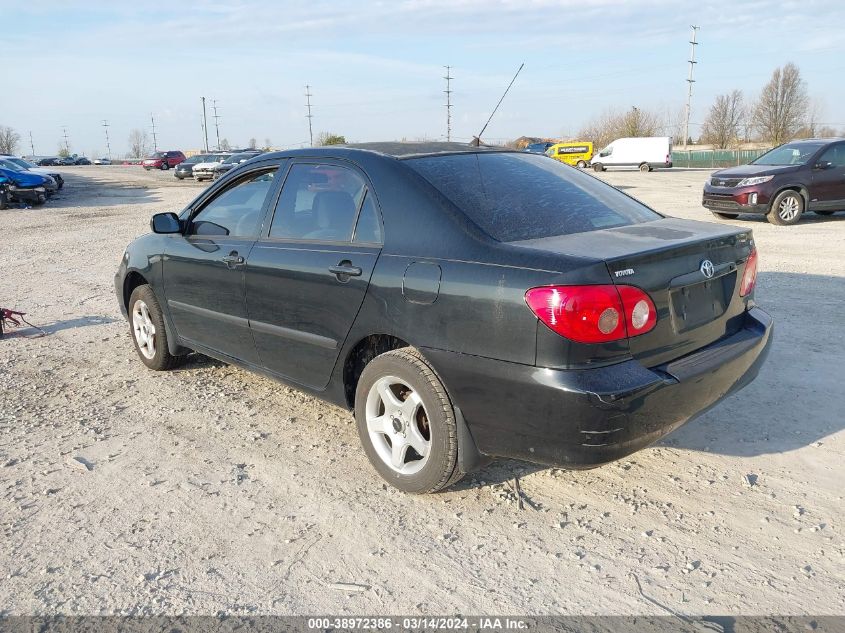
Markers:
point(665, 258)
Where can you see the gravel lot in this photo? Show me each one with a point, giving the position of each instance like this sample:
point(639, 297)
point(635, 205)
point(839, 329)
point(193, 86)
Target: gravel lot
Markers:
point(209, 489)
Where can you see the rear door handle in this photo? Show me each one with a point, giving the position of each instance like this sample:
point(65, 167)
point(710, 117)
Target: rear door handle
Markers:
point(345, 269)
point(233, 259)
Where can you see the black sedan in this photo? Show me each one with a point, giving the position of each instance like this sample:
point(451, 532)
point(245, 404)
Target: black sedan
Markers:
point(464, 302)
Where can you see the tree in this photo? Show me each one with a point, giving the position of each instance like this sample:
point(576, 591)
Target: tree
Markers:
point(63, 152)
point(329, 138)
point(827, 132)
point(9, 140)
point(613, 124)
point(138, 143)
point(224, 145)
point(782, 108)
point(723, 124)
point(267, 144)
point(253, 143)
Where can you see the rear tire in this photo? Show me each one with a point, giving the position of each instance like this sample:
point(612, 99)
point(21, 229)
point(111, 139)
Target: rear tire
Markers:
point(598, 167)
point(725, 216)
point(165, 166)
point(406, 423)
point(146, 327)
point(581, 164)
point(786, 208)
point(824, 212)
point(645, 167)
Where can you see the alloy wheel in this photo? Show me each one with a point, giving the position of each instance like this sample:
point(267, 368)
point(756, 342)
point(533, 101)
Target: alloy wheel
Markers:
point(144, 329)
point(398, 425)
point(789, 208)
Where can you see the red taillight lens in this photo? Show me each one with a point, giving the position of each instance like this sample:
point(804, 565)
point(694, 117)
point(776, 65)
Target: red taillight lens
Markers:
point(749, 277)
point(593, 314)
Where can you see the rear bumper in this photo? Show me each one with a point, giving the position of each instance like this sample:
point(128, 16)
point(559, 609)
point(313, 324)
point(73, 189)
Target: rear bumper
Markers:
point(585, 418)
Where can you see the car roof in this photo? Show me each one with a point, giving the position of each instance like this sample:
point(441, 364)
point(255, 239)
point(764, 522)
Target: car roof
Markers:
point(817, 140)
point(397, 150)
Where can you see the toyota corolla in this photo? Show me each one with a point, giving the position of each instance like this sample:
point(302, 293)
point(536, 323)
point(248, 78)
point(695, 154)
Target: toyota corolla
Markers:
point(464, 302)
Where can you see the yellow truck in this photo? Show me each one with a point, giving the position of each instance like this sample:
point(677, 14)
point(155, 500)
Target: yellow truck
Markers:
point(577, 153)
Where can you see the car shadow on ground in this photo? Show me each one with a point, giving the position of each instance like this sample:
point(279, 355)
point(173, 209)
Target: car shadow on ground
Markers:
point(808, 217)
point(71, 324)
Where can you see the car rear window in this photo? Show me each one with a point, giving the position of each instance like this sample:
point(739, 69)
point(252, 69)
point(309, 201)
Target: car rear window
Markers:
point(521, 196)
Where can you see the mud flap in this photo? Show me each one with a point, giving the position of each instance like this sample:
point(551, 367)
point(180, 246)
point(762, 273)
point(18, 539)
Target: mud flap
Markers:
point(469, 457)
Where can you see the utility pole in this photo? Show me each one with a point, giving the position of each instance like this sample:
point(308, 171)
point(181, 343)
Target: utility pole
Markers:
point(31, 144)
point(155, 141)
point(308, 116)
point(448, 92)
point(106, 130)
point(67, 144)
point(216, 124)
point(204, 124)
point(690, 81)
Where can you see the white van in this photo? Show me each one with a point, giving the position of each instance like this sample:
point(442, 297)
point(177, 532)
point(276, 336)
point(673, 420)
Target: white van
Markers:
point(645, 152)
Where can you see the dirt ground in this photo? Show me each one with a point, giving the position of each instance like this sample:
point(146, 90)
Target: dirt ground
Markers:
point(212, 490)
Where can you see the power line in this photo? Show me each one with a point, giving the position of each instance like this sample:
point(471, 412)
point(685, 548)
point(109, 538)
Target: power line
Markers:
point(448, 92)
point(216, 124)
point(690, 82)
point(67, 143)
point(31, 144)
point(106, 130)
point(309, 116)
point(204, 124)
point(155, 141)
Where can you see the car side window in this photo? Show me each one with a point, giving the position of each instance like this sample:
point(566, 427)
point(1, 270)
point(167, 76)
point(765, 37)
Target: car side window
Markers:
point(368, 228)
point(835, 155)
point(318, 202)
point(235, 211)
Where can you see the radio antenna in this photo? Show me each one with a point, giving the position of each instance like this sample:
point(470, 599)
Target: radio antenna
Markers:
point(477, 140)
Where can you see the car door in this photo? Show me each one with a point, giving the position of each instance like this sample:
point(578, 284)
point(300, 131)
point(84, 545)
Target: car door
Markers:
point(828, 186)
point(204, 268)
point(307, 275)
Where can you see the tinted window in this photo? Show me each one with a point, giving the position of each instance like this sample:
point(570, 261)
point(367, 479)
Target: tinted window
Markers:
point(522, 196)
point(235, 212)
point(318, 202)
point(368, 228)
point(789, 154)
point(835, 155)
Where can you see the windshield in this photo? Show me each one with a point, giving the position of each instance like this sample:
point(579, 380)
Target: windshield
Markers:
point(23, 163)
point(523, 196)
point(199, 158)
point(8, 164)
point(156, 155)
point(789, 154)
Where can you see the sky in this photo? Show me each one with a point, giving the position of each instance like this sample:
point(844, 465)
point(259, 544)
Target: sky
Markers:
point(376, 68)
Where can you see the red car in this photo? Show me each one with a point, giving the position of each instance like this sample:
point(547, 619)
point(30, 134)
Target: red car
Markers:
point(163, 160)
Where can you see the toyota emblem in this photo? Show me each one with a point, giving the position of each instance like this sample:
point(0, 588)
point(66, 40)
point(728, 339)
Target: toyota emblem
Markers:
point(707, 268)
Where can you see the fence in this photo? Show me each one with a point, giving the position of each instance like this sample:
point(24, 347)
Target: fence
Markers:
point(714, 157)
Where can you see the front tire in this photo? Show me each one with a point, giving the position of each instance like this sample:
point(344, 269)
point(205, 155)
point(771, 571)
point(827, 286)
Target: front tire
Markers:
point(786, 208)
point(645, 167)
point(406, 423)
point(4, 200)
point(146, 326)
point(598, 167)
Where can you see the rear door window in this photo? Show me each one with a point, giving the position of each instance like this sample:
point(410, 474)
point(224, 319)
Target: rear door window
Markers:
point(520, 196)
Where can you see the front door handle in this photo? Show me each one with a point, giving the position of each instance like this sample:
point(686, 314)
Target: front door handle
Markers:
point(344, 270)
point(232, 260)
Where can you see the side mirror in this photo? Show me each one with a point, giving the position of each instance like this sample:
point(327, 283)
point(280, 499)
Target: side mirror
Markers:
point(825, 165)
point(165, 223)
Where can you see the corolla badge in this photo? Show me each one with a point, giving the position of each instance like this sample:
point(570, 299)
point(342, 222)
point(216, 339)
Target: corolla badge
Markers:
point(707, 268)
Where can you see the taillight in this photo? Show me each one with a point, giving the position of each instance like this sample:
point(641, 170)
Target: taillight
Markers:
point(593, 314)
point(749, 277)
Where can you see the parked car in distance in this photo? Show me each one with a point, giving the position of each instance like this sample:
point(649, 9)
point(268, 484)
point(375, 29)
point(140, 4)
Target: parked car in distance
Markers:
point(783, 183)
point(163, 160)
point(23, 164)
point(464, 302)
point(48, 161)
point(231, 162)
point(185, 169)
point(205, 170)
point(538, 148)
point(65, 161)
point(22, 186)
point(578, 154)
point(644, 152)
point(102, 161)
point(82, 160)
